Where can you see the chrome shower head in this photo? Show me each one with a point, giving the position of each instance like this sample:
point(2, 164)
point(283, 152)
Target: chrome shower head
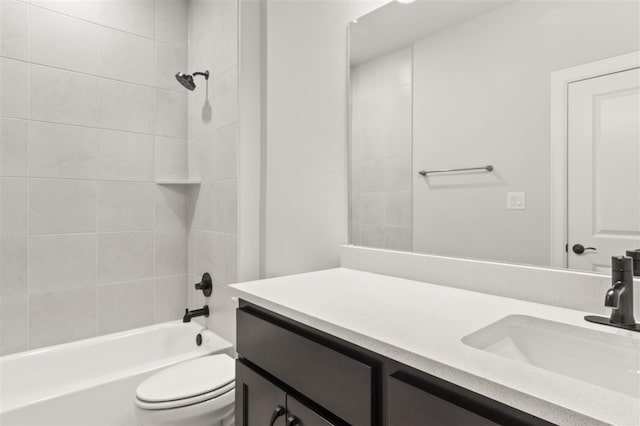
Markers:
point(187, 79)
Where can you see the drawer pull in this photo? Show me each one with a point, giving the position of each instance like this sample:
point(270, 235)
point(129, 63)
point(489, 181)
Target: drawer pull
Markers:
point(279, 411)
point(293, 421)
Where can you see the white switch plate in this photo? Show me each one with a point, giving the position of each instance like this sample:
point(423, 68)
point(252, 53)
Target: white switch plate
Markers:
point(515, 200)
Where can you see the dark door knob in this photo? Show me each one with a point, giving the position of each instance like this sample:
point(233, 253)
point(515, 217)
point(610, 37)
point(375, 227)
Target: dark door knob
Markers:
point(579, 248)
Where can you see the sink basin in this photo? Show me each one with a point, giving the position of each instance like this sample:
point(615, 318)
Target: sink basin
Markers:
point(607, 360)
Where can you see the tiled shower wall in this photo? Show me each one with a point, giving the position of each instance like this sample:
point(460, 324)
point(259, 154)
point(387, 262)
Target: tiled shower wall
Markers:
point(213, 157)
point(90, 115)
point(381, 140)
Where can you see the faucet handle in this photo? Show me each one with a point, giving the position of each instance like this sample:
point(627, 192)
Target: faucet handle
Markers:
point(206, 285)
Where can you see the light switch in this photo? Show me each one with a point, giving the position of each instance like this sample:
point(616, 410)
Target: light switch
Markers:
point(515, 200)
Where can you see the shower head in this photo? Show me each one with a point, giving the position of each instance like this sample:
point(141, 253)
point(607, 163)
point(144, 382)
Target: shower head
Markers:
point(187, 79)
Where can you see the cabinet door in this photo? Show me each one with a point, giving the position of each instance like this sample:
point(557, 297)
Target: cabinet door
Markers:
point(258, 401)
point(299, 414)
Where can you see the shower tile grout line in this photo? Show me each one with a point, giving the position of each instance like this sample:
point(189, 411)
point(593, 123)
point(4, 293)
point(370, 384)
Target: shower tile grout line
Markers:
point(100, 76)
point(28, 283)
point(99, 24)
point(64, 124)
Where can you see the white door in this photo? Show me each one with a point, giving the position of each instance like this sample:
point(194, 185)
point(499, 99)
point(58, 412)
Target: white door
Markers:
point(603, 169)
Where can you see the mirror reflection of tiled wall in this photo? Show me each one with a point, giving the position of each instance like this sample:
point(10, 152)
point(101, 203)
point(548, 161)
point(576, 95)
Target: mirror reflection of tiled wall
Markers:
point(381, 102)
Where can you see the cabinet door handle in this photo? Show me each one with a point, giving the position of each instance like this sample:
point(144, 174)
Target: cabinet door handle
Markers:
point(279, 411)
point(293, 421)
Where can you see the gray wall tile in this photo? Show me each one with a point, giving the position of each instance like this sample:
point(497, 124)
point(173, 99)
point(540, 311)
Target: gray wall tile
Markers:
point(125, 305)
point(13, 206)
point(60, 151)
point(63, 42)
point(13, 266)
point(14, 83)
point(125, 156)
point(62, 316)
point(64, 97)
point(14, 334)
point(62, 206)
point(125, 256)
point(14, 29)
point(170, 297)
point(62, 261)
point(13, 147)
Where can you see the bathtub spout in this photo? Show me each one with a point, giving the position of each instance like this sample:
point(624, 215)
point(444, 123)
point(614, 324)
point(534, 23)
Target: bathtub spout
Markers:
point(195, 313)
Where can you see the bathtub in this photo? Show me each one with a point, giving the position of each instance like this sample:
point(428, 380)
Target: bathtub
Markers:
point(93, 381)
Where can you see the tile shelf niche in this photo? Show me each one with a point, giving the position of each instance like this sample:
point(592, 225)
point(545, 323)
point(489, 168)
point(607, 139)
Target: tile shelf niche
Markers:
point(177, 181)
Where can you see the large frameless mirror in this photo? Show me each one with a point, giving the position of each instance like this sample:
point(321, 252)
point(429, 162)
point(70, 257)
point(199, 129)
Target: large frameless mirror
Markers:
point(497, 130)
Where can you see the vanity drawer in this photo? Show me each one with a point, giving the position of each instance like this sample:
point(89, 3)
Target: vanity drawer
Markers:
point(419, 398)
point(409, 405)
point(335, 381)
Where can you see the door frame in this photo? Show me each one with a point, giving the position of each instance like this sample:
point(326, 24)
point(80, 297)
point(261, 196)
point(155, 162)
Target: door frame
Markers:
point(560, 81)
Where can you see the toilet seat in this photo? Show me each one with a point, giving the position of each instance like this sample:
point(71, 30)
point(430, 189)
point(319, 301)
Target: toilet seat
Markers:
point(185, 401)
point(187, 383)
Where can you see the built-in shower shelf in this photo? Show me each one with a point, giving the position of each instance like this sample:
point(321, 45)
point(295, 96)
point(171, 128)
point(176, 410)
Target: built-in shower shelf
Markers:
point(178, 181)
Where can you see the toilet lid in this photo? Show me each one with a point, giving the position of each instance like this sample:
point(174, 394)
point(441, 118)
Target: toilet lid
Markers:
point(188, 379)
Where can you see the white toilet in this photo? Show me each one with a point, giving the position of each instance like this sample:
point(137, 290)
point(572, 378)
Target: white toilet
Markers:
point(200, 392)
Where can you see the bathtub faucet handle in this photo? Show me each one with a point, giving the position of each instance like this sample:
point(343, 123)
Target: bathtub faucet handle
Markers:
point(206, 284)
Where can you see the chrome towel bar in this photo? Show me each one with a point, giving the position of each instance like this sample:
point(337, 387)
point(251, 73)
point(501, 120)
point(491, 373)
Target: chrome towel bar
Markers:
point(488, 168)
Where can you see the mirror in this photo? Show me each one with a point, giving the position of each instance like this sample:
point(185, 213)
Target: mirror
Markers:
point(546, 93)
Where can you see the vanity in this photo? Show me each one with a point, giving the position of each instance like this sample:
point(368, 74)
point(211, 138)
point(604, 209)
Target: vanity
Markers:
point(343, 346)
point(345, 384)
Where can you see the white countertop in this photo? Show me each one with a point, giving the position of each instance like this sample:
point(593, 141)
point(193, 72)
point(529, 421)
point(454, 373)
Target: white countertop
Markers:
point(421, 325)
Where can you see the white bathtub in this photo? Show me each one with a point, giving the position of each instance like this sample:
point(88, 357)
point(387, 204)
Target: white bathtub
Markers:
point(92, 381)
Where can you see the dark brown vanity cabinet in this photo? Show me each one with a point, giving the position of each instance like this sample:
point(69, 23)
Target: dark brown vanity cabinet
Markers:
point(298, 376)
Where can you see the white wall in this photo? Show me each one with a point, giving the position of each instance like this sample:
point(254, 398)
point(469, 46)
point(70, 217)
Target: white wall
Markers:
point(305, 216)
point(482, 96)
point(90, 115)
point(249, 138)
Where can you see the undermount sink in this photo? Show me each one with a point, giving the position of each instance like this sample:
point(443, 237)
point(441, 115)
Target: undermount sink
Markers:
point(607, 360)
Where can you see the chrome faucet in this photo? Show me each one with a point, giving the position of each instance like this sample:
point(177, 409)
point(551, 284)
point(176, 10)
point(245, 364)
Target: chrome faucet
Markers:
point(204, 312)
point(620, 296)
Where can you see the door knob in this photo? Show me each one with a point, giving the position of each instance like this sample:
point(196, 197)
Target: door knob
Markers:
point(579, 248)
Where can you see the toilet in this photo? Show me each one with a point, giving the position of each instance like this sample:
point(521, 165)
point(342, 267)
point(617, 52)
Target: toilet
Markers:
point(199, 392)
